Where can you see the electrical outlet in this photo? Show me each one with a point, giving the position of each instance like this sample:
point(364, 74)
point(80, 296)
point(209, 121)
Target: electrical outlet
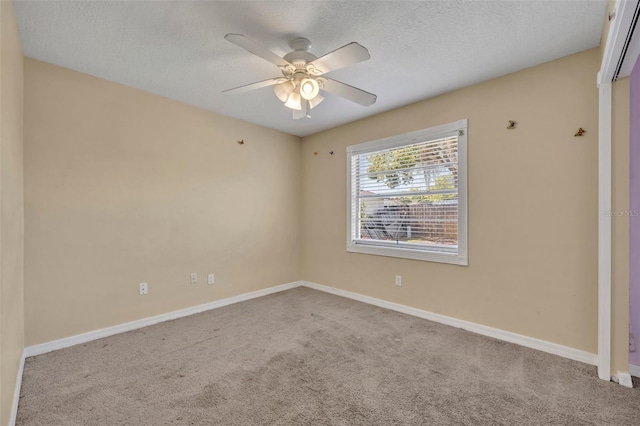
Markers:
point(210, 279)
point(399, 280)
point(143, 288)
point(194, 278)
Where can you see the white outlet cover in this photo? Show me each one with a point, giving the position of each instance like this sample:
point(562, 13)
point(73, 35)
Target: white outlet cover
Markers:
point(143, 288)
point(194, 278)
point(210, 279)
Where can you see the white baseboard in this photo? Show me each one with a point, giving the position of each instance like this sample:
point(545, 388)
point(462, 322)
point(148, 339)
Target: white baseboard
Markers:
point(623, 379)
point(16, 392)
point(133, 325)
point(529, 342)
point(634, 370)
point(507, 336)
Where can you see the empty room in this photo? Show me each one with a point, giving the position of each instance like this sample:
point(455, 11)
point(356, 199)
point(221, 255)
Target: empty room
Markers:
point(319, 212)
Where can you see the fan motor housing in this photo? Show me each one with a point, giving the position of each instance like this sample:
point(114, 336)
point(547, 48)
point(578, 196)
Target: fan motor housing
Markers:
point(300, 54)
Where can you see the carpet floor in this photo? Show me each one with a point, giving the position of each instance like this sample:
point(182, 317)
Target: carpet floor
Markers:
point(303, 357)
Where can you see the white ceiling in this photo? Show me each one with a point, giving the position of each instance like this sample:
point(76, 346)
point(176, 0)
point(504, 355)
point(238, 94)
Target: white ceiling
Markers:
point(418, 49)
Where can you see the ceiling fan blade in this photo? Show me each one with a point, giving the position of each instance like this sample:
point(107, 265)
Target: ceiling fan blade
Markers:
point(349, 92)
point(247, 44)
point(252, 86)
point(349, 54)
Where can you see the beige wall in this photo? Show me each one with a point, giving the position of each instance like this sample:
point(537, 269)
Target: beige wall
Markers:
point(123, 187)
point(11, 208)
point(533, 206)
point(620, 227)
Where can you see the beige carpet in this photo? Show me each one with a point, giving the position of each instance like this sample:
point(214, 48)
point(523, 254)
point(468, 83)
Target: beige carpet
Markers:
point(303, 357)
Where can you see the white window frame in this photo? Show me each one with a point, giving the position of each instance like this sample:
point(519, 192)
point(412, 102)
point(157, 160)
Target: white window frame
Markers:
point(437, 253)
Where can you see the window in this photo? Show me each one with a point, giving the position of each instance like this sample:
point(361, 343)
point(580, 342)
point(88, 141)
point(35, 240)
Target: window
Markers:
point(407, 195)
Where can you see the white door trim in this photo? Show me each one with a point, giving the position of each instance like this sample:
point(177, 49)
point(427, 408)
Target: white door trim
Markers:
point(604, 233)
point(621, 50)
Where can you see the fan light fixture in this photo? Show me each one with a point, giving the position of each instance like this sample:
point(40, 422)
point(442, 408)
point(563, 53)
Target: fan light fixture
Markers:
point(283, 90)
point(293, 101)
point(315, 101)
point(294, 95)
point(309, 88)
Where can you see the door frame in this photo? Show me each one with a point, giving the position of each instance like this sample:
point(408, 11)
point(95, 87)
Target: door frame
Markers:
point(620, 54)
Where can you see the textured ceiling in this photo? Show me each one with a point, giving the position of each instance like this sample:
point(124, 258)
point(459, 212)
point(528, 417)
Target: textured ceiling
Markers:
point(418, 49)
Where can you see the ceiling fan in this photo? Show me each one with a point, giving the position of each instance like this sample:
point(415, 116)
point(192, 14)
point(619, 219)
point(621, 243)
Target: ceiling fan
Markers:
point(303, 74)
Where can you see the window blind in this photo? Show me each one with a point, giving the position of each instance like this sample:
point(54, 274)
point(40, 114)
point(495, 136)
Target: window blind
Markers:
point(407, 196)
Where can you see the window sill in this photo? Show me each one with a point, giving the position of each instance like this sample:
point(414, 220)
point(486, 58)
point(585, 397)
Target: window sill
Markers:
point(424, 255)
